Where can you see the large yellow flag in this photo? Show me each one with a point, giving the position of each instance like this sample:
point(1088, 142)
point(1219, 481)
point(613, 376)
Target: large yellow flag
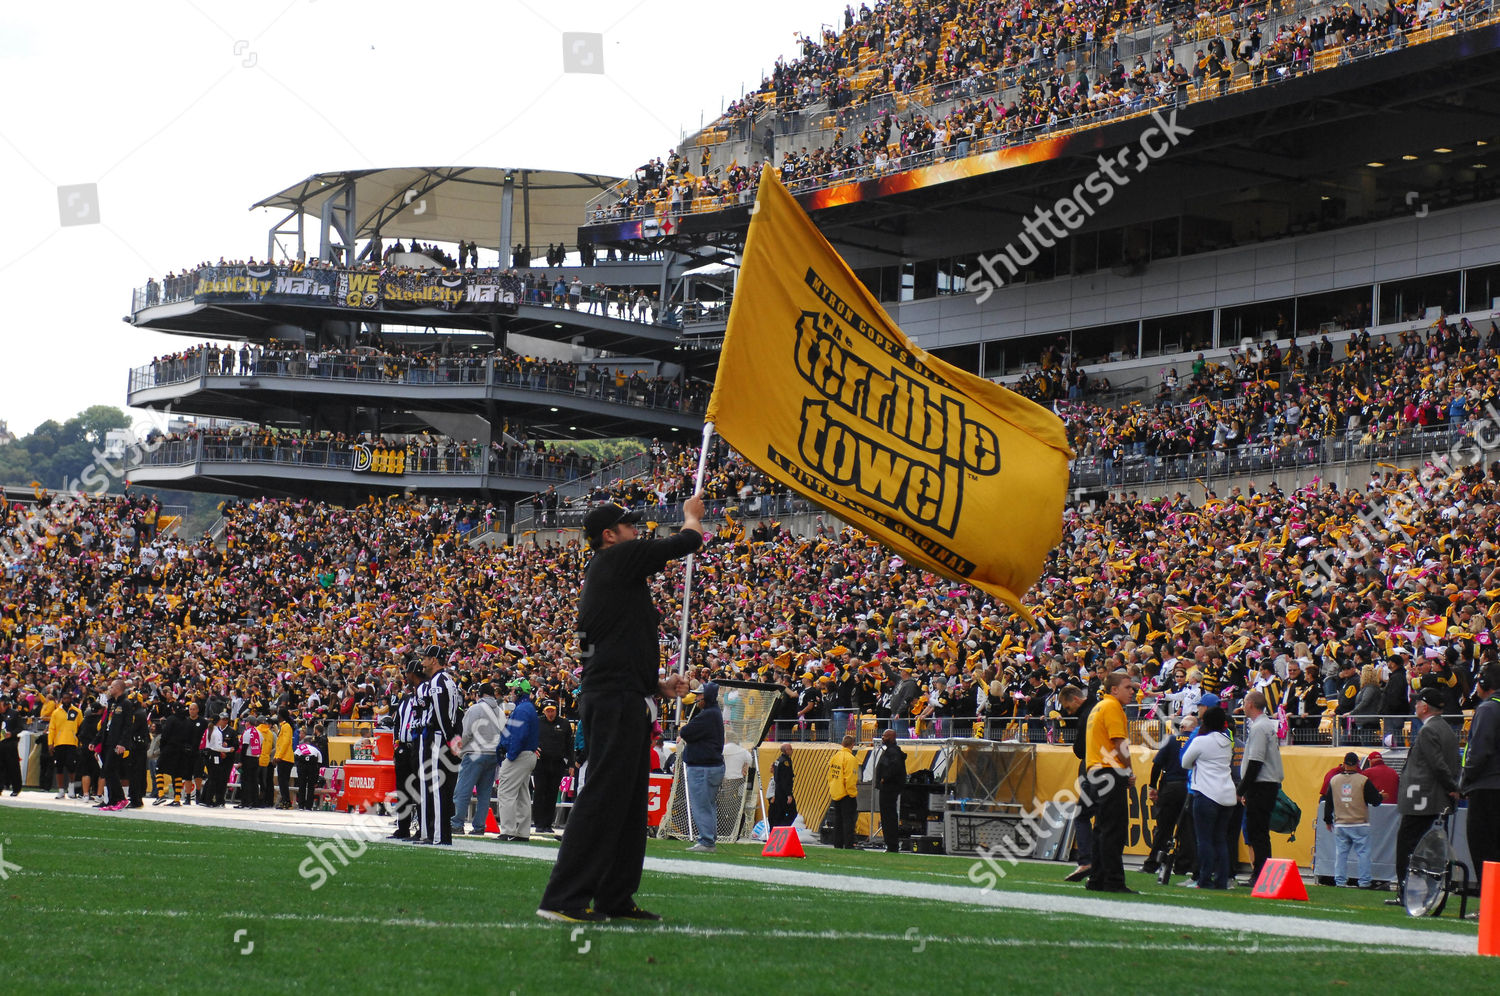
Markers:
point(822, 391)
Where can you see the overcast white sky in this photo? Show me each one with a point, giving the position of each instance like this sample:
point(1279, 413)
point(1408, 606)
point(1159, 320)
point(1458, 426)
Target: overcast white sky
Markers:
point(186, 113)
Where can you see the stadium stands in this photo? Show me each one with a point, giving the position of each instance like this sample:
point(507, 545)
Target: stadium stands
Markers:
point(312, 605)
point(904, 85)
point(616, 383)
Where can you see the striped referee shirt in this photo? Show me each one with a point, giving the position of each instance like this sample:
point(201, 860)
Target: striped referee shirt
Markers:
point(441, 699)
point(406, 718)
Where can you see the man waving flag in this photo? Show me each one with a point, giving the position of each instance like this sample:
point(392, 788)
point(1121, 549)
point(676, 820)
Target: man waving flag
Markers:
point(822, 391)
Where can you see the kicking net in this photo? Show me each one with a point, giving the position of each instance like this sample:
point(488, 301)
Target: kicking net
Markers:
point(747, 707)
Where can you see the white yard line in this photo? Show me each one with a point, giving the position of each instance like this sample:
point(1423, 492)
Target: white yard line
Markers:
point(1334, 931)
point(912, 937)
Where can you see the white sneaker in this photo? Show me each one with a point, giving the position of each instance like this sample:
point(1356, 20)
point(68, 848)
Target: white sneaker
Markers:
point(1191, 883)
point(60, 795)
point(700, 849)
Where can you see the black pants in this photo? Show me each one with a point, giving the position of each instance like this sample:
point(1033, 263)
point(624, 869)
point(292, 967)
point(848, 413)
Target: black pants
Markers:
point(1170, 795)
point(547, 776)
point(1111, 811)
point(136, 772)
point(268, 784)
point(890, 818)
point(1187, 840)
point(604, 846)
point(845, 812)
point(10, 764)
point(1407, 834)
point(436, 771)
point(1232, 834)
point(1483, 832)
point(284, 781)
point(1259, 798)
point(249, 780)
point(406, 773)
point(783, 811)
point(307, 783)
point(1083, 822)
point(114, 767)
point(218, 779)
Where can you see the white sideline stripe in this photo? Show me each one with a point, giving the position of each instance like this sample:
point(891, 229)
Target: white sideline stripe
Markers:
point(1257, 923)
point(708, 932)
point(1337, 931)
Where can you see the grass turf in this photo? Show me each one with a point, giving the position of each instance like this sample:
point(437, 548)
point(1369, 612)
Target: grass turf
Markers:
point(160, 907)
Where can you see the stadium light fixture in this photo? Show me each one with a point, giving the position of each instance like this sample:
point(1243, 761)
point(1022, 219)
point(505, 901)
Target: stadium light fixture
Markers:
point(674, 428)
point(1480, 142)
point(1408, 159)
point(1324, 197)
point(554, 409)
point(1481, 166)
point(556, 325)
point(1375, 165)
point(1441, 151)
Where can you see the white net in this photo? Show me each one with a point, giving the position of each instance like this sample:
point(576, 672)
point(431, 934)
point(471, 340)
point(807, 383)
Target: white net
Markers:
point(747, 708)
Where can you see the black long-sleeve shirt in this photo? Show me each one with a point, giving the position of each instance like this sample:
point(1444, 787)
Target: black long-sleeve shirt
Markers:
point(555, 739)
point(618, 625)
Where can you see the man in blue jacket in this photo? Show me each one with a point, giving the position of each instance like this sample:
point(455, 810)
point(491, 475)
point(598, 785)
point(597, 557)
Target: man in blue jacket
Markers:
point(519, 742)
point(703, 768)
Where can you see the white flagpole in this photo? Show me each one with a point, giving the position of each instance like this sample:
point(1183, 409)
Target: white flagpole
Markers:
point(687, 581)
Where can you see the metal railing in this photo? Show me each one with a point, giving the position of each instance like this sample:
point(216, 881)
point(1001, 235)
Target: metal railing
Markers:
point(940, 98)
point(1317, 731)
point(623, 470)
point(418, 459)
point(607, 303)
point(1260, 458)
point(754, 506)
point(508, 372)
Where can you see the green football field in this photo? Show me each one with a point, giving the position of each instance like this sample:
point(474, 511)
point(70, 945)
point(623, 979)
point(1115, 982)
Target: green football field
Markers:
point(97, 902)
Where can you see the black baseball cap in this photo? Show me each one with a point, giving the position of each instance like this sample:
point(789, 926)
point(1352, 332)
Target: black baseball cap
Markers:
point(1433, 697)
point(606, 516)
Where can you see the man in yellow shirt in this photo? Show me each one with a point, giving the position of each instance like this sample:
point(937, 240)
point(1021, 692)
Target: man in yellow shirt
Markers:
point(284, 759)
point(62, 741)
point(267, 796)
point(843, 782)
point(1107, 778)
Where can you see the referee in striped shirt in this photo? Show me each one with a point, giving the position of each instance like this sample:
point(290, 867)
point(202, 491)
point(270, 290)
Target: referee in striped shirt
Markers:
point(406, 751)
point(437, 761)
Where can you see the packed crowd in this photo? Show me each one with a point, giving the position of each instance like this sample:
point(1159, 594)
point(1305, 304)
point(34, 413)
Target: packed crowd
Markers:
point(1289, 401)
point(398, 365)
point(1002, 71)
point(311, 608)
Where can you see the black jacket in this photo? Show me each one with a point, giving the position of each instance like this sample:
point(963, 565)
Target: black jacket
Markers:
point(781, 775)
point(703, 736)
point(1393, 699)
point(618, 623)
point(118, 726)
point(890, 769)
point(555, 739)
